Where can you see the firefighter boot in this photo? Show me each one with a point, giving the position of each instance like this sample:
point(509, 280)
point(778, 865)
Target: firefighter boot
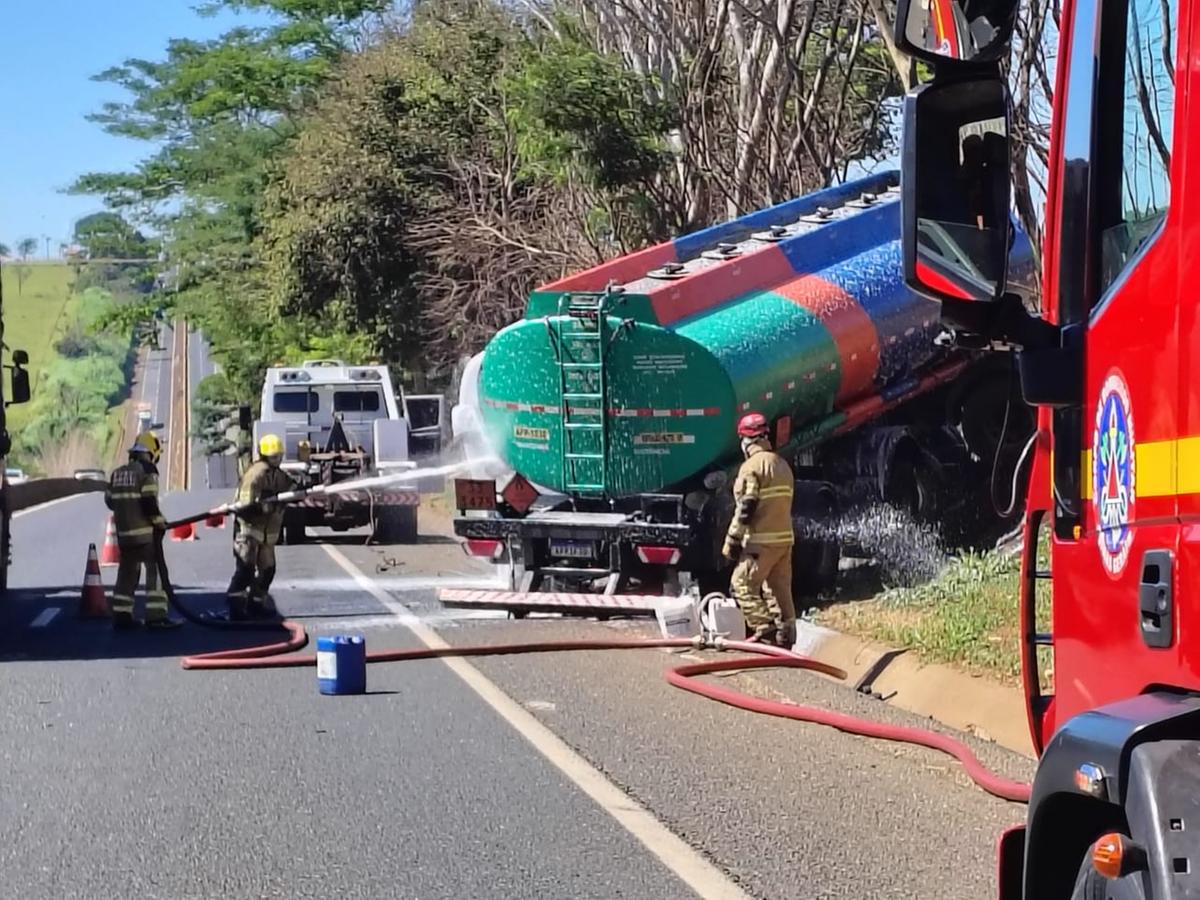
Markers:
point(238, 611)
point(764, 634)
point(261, 607)
point(123, 621)
point(785, 637)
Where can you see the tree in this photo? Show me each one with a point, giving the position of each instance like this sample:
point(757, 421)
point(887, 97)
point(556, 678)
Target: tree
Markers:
point(26, 247)
point(106, 235)
point(4, 249)
point(449, 171)
point(23, 272)
point(219, 114)
point(777, 97)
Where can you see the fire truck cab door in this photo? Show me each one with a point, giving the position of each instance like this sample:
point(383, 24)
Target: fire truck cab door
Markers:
point(1124, 145)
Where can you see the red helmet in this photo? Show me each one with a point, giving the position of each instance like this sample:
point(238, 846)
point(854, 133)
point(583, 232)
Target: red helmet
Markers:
point(752, 425)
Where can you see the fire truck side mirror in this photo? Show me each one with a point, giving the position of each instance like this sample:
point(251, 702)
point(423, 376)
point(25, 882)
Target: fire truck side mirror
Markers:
point(19, 391)
point(942, 32)
point(245, 419)
point(955, 210)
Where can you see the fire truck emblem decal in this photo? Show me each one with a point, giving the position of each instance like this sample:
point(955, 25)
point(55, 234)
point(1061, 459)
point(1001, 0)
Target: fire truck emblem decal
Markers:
point(1114, 473)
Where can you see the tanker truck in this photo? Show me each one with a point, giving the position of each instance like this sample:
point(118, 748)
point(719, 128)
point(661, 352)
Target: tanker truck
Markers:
point(614, 401)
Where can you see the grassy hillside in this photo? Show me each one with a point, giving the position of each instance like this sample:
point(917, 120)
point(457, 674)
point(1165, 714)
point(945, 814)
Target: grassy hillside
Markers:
point(36, 314)
point(79, 376)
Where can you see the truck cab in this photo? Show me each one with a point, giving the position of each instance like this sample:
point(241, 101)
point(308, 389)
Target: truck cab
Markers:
point(340, 422)
point(1107, 361)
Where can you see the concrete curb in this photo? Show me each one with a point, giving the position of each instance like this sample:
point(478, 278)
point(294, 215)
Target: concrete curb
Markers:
point(968, 703)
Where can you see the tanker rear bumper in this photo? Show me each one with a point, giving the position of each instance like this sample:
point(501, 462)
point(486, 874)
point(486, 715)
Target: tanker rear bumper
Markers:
point(578, 526)
point(568, 550)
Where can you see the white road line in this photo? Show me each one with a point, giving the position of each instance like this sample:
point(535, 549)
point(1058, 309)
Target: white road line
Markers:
point(46, 617)
point(709, 882)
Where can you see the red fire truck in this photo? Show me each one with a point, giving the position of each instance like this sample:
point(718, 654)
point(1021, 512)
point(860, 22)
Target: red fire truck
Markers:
point(1107, 361)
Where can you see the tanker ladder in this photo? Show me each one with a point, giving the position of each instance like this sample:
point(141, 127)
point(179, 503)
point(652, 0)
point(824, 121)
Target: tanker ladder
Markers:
point(578, 334)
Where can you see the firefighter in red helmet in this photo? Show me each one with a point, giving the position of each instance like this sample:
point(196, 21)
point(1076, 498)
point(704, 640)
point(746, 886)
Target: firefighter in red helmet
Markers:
point(760, 537)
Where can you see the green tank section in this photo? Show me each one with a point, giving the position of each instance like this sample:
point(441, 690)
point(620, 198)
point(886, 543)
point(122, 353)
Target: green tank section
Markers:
point(630, 378)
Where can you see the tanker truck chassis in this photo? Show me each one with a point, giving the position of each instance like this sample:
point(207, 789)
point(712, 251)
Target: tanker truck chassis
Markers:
point(615, 398)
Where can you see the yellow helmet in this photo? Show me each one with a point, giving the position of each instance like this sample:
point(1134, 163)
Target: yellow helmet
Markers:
point(270, 445)
point(148, 443)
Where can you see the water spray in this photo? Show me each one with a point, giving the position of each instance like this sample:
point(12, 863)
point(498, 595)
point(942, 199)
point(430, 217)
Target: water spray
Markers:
point(406, 478)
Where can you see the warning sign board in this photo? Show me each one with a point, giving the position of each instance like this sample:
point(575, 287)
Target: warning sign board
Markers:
point(519, 494)
point(472, 493)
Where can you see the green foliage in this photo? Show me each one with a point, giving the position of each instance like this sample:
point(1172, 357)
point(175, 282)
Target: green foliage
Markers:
point(106, 234)
point(77, 390)
point(431, 149)
point(220, 112)
point(579, 111)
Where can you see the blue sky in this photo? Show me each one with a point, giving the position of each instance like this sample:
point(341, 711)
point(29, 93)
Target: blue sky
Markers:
point(51, 49)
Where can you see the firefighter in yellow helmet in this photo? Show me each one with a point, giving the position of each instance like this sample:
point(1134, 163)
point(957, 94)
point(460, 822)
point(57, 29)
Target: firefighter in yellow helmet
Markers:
point(256, 532)
point(132, 495)
point(761, 536)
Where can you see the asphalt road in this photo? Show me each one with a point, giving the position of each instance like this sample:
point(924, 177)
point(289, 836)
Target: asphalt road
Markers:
point(124, 775)
point(152, 385)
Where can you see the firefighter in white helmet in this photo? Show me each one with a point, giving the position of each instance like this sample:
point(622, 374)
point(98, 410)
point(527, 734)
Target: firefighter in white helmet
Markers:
point(256, 533)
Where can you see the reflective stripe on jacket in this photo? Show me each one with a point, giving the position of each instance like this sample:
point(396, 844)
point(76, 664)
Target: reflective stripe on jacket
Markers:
point(763, 492)
point(132, 495)
point(261, 482)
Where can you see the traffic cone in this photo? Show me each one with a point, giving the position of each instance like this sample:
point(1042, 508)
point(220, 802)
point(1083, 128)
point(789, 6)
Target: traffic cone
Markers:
point(185, 532)
point(110, 555)
point(93, 604)
point(216, 521)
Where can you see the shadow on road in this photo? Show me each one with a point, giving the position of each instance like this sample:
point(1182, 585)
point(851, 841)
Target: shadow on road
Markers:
point(68, 637)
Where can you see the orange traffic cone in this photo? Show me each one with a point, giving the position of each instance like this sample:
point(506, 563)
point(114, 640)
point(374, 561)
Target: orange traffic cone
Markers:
point(184, 533)
point(92, 603)
point(217, 521)
point(111, 554)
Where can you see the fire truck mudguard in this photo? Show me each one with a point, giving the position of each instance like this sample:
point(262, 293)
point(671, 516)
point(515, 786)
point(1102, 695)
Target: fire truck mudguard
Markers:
point(1131, 767)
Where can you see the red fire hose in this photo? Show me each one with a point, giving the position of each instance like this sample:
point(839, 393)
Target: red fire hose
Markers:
point(283, 654)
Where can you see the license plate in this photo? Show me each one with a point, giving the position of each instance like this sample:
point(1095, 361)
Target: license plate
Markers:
point(572, 549)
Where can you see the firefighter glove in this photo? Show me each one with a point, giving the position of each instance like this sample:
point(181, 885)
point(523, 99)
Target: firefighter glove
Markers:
point(732, 550)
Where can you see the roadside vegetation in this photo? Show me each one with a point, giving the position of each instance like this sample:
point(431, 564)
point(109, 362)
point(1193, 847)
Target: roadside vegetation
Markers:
point(79, 371)
point(39, 305)
point(966, 616)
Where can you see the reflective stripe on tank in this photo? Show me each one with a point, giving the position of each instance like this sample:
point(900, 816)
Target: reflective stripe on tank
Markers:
point(625, 413)
point(125, 496)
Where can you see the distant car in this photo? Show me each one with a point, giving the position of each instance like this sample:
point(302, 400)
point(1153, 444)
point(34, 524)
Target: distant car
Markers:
point(91, 475)
point(14, 476)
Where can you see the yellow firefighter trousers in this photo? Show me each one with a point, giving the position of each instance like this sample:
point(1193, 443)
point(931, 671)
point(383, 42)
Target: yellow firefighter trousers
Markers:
point(762, 586)
point(135, 557)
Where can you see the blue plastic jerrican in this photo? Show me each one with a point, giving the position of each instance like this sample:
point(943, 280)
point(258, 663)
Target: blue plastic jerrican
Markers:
point(342, 664)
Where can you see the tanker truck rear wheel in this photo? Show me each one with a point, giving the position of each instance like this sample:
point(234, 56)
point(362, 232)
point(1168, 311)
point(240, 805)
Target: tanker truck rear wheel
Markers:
point(815, 568)
point(396, 525)
point(293, 530)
